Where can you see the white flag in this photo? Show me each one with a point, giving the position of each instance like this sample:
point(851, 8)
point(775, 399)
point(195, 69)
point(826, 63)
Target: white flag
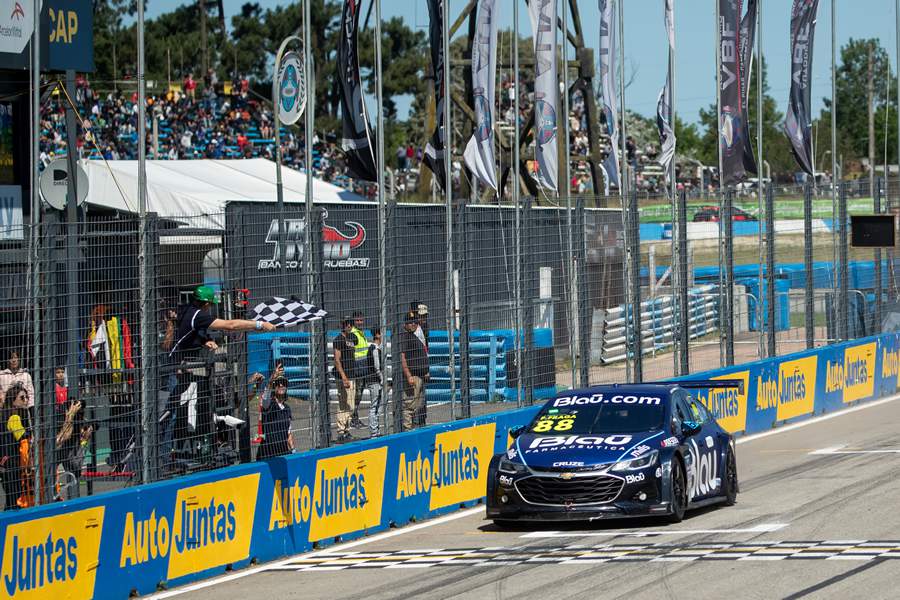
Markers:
point(665, 101)
point(546, 90)
point(479, 154)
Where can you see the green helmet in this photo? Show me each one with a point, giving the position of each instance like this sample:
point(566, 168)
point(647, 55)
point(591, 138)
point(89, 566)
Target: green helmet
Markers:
point(205, 293)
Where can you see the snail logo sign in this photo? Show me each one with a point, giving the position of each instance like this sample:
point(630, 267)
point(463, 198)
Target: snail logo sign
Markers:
point(290, 89)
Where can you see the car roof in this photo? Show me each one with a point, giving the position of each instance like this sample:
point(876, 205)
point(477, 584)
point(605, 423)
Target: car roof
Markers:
point(663, 390)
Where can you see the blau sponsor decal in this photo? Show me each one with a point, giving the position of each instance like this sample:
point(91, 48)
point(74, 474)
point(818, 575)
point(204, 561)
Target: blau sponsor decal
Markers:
point(854, 376)
point(53, 557)
point(792, 394)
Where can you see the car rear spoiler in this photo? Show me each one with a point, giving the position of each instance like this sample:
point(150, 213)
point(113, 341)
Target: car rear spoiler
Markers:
point(704, 384)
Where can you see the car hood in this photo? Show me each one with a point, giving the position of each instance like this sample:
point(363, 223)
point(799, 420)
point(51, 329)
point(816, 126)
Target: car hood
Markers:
point(561, 451)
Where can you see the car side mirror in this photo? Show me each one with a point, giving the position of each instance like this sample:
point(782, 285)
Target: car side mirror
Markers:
point(516, 431)
point(690, 428)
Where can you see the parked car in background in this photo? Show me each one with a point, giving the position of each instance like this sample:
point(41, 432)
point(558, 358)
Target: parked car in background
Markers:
point(710, 214)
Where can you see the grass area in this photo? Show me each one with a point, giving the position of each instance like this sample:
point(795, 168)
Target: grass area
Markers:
point(788, 249)
point(785, 208)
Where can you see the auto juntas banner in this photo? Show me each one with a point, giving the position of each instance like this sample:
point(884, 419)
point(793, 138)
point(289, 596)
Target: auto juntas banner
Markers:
point(357, 136)
point(747, 36)
point(546, 91)
point(479, 154)
point(799, 115)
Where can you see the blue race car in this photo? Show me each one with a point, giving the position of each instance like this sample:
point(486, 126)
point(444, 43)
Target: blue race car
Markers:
point(615, 451)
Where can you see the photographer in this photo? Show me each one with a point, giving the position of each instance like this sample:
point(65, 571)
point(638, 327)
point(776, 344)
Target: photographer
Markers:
point(276, 415)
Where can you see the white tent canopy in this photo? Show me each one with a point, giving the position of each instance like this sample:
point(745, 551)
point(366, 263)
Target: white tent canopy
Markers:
point(182, 188)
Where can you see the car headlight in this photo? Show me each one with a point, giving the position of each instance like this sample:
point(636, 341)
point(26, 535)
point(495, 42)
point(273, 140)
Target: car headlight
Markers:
point(508, 466)
point(637, 463)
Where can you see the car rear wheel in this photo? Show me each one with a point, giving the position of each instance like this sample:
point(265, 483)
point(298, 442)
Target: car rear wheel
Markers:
point(678, 485)
point(731, 480)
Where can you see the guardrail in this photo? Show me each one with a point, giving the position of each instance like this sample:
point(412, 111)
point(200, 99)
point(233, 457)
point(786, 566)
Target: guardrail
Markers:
point(658, 324)
point(145, 538)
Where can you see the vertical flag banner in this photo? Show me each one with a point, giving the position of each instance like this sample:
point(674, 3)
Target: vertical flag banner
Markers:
point(732, 126)
point(479, 154)
point(747, 37)
point(434, 149)
point(665, 100)
point(799, 115)
point(356, 141)
point(609, 102)
point(543, 15)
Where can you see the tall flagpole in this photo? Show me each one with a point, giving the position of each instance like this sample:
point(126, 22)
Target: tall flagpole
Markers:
point(518, 206)
point(35, 230)
point(379, 143)
point(673, 191)
point(760, 188)
point(722, 340)
point(448, 200)
point(897, 39)
point(623, 181)
point(142, 260)
point(573, 322)
point(834, 165)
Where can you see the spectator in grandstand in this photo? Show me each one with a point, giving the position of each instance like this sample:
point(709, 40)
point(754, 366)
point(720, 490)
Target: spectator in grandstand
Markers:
point(344, 369)
point(276, 416)
point(375, 361)
point(193, 335)
point(360, 352)
point(401, 158)
point(15, 448)
point(414, 362)
point(190, 86)
point(15, 374)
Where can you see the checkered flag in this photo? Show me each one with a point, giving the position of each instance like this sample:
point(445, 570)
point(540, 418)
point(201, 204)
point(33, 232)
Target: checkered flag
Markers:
point(282, 312)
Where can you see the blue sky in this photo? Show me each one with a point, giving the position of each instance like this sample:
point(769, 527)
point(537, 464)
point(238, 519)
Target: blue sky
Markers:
point(695, 45)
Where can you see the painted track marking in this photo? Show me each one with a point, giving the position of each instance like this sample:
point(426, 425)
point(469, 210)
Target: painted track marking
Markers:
point(761, 528)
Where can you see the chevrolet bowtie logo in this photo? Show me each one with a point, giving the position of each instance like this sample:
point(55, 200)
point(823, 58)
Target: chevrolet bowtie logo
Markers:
point(566, 476)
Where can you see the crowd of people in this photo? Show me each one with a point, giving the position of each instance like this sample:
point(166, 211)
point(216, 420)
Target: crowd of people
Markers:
point(213, 119)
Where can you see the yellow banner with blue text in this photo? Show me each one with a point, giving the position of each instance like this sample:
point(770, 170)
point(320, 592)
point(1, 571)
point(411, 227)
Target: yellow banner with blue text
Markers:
point(53, 557)
point(793, 393)
point(729, 405)
point(347, 494)
point(854, 375)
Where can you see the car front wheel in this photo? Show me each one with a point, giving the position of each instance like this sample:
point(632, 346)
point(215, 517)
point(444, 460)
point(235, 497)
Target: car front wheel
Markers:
point(678, 485)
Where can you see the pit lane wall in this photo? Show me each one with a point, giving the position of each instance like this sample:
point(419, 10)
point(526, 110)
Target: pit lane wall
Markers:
point(170, 533)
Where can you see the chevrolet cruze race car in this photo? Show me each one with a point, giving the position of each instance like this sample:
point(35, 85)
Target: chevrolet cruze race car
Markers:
point(615, 451)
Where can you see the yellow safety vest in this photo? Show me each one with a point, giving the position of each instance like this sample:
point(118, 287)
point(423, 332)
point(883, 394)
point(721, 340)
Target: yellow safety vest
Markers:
point(361, 348)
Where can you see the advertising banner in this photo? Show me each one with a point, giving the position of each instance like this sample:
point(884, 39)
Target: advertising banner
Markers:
point(665, 101)
point(434, 149)
point(546, 91)
point(609, 100)
point(479, 154)
point(67, 35)
point(356, 140)
point(732, 126)
point(798, 122)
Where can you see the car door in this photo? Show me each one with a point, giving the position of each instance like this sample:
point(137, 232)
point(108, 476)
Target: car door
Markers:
point(707, 446)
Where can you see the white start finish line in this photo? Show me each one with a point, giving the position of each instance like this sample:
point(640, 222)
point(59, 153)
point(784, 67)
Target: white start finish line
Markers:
point(761, 528)
point(841, 450)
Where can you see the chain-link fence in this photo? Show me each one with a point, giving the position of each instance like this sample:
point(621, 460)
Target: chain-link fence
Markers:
point(119, 370)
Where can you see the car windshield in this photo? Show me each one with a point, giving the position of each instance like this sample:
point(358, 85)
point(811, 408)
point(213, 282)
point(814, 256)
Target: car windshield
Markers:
point(561, 417)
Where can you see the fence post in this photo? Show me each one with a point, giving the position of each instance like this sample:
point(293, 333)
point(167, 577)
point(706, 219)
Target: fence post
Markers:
point(462, 275)
point(395, 318)
point(843, 268)
point(148, 433)
point(770, 273)
point(809, 297)
point(635, 283)
point(876, 320)
point(528, 297)
point(584, 306)
point(52, 330)
point(726, 225)
point(318, 339)
point(683, 282)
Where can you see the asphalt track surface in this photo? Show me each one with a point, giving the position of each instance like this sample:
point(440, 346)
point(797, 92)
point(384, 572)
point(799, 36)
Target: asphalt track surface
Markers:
point(818, 517)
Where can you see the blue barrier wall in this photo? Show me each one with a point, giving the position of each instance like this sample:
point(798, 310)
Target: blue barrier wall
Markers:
point(201, 525)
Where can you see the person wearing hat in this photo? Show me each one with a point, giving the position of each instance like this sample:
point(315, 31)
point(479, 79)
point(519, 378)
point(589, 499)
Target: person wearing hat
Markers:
point(276, 416)
point(343, 346)
point(414, 362)
point(193, 324)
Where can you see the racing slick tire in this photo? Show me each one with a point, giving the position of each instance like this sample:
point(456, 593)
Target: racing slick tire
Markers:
point(731, 479)
point(678, 485)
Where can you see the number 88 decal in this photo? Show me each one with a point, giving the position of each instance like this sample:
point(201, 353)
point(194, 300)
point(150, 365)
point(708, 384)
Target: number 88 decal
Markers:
point(545, 425)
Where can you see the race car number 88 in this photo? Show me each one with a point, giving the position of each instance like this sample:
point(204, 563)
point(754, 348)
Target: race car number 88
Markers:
point(543, 426)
